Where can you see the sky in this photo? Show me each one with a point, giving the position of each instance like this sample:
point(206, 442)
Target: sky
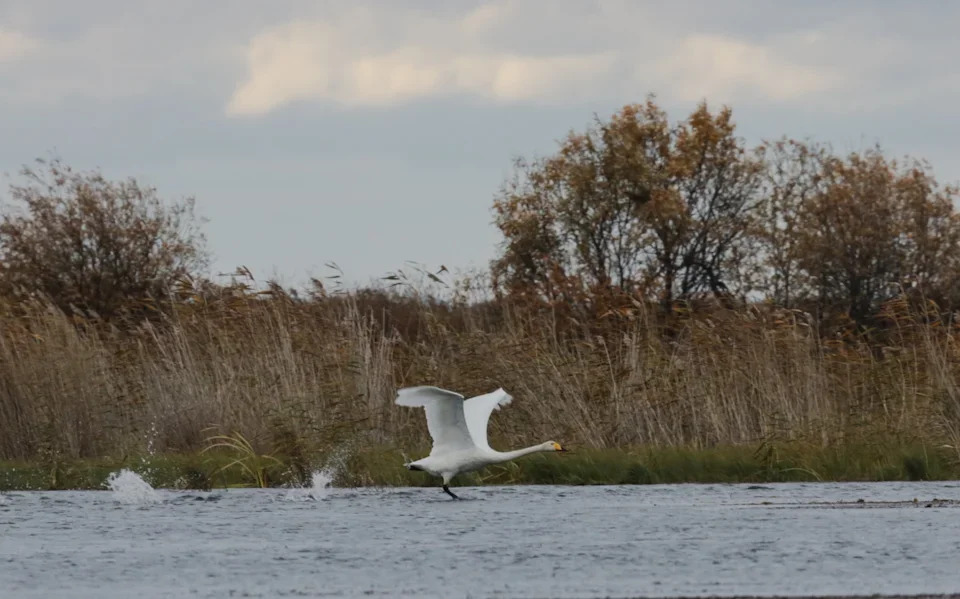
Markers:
point(370, 134)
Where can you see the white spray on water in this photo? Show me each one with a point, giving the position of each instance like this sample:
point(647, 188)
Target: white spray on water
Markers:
point(321, 480)
point(318, 489)
point(129, 487)
point(145, 460)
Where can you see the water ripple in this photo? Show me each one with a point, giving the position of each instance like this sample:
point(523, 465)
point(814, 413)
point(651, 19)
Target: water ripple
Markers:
point(654, 540)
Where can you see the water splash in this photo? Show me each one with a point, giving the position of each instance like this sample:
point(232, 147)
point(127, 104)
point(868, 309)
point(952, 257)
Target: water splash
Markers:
point(321, 480)
point(146, 460)
point(129, 487)
point(319, 489)
point(152, 435)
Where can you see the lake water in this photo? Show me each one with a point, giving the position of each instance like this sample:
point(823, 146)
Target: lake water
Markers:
point(524, 541)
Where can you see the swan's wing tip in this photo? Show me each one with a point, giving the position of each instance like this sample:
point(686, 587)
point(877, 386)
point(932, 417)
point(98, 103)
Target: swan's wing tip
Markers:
point(410, 396)
point(504, 399)
point(418, 396)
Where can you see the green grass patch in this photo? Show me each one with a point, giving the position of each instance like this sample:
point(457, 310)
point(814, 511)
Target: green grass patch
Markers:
point(761, 463)
point(180, 471)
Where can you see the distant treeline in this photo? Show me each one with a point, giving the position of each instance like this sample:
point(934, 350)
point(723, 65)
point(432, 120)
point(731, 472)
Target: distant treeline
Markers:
point(672, 213)
point(632, 210)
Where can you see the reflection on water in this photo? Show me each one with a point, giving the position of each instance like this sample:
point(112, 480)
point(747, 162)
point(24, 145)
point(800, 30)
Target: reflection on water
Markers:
point(786, 539)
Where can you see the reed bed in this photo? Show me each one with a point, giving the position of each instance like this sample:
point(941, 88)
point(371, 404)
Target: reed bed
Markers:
point(302, 378)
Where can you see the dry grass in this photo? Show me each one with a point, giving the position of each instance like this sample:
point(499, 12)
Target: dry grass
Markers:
point(298, 378)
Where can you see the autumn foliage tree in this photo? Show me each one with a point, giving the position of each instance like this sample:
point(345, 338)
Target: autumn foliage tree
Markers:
point(793, 176)
point(702, 235)
point(633, 204)
point(91, 244)
point(874, 228)
point(664, 212)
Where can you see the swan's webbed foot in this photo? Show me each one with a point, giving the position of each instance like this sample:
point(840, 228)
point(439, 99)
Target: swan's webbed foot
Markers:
point(449, 492)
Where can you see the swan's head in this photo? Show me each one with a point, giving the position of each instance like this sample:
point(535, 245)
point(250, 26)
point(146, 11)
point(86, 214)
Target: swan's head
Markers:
point(553, 446)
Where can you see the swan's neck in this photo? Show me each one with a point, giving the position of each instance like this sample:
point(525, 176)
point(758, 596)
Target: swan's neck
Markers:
point(519, 453)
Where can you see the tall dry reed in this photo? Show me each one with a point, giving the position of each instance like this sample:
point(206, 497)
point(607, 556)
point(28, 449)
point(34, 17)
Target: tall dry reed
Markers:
point(302, 376)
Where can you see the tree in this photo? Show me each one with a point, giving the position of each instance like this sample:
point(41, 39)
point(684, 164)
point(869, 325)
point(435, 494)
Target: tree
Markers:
point(793, 175)
point(874, 227)
point(92, 244)
point(704, 242)
point(633, 205)
point(931, 234)
point(533, 259)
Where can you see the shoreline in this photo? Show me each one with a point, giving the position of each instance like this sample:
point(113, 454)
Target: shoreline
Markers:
point(875, 596)
point(382, 466)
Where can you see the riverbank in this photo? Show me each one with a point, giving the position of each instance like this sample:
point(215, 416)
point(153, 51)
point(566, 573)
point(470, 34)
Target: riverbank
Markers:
point(758, 463)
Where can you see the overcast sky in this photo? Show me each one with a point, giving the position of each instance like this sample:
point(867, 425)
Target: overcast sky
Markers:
point(373, 133)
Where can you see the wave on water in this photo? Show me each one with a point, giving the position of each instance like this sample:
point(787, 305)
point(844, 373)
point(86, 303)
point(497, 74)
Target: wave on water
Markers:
point(129, 487)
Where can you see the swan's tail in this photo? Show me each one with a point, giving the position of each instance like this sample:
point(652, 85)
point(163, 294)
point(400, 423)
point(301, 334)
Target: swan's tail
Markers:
point(412, 466)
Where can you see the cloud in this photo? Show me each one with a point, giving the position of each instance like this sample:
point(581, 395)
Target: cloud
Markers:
point(14, 45)
point(329, 61)
point(54, 53)
point(721, 67)
point(278, 78)
point(257, 57)
point(504, 52)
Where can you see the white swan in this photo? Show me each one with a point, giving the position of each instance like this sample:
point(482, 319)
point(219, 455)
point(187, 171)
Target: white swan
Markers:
point(459, 431)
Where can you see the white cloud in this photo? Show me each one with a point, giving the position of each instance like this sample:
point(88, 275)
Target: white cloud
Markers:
point(14, 45)
point(729, 69)
point(507, 52)
point(257, 58)
point(331, 61)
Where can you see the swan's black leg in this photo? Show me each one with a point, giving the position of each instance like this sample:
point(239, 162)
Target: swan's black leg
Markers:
point(449, 492)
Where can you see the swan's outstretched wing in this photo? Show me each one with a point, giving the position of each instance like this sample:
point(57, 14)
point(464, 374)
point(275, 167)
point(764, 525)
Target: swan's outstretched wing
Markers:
point(445, 416)
point(477, 412)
